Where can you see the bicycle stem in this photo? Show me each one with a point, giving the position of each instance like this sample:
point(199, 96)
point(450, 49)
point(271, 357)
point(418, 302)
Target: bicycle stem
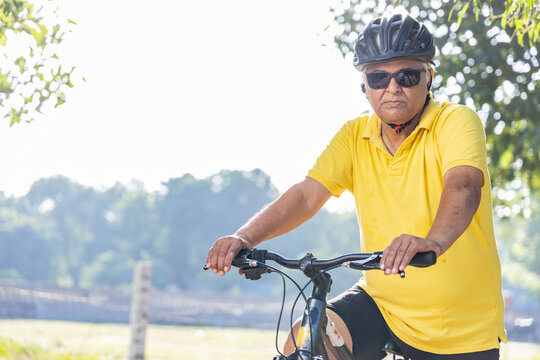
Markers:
point(313, 320)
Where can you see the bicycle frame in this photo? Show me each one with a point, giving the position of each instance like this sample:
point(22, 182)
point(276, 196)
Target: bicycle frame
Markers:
point(312, 335)
point(313, 329)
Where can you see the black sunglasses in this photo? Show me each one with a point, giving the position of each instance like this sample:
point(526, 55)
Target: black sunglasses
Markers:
point(405, 78)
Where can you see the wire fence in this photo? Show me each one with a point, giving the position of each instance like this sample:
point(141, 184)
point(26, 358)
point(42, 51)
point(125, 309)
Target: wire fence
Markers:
point(100, 305)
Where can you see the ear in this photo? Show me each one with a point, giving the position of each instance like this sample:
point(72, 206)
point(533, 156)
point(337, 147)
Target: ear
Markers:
point(431, 73)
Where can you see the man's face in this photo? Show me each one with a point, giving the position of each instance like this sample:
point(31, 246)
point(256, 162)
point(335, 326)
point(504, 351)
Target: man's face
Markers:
point(397, 104)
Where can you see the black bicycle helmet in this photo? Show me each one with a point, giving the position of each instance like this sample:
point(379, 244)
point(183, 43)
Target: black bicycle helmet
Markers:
point(395, 37)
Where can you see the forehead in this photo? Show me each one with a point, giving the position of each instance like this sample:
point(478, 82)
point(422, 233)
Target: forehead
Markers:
point(392, 66)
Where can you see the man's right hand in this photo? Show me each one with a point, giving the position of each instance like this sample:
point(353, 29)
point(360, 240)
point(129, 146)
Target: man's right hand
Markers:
point(223, 251)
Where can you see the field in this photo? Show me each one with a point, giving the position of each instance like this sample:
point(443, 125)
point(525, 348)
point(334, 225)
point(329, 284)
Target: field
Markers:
point(111, 341)
point(57, 340)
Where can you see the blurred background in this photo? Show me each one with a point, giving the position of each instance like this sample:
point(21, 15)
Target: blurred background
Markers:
point(144, 131)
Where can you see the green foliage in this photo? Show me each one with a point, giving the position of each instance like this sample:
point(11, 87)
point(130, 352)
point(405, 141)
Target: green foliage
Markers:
point(483, 66)
point(31, 74)
point(520, 16)
point(10, 349)
point(519, 245)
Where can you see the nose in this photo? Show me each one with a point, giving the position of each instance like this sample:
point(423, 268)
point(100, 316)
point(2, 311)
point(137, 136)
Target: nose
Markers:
point(393, 87)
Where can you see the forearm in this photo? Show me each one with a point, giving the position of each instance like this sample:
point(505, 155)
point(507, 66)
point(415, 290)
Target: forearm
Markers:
point(286, 213)
point(290, 210)
point(459, 203)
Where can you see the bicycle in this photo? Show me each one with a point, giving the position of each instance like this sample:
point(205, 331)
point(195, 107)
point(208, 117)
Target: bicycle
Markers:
point(311, 341)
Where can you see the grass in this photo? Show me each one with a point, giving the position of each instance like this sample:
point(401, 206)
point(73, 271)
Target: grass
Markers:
point(10, 349)
point(60, 340)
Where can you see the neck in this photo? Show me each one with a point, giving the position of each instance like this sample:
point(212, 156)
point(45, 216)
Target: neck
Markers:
point(393, 139)
point(393, 135)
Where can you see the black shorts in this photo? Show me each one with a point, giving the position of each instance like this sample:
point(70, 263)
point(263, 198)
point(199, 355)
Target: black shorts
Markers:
point(357, 309)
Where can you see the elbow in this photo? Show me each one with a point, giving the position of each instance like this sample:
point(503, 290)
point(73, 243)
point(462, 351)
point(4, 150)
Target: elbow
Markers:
point(468, 195)
point(473, 195)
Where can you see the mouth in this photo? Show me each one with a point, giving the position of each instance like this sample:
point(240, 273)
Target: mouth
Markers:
point(393, 103)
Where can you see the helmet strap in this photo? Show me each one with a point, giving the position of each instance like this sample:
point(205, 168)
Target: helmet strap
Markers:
point(398, 128)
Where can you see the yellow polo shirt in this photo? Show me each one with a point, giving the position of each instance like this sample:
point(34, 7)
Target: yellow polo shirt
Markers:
point(455, 306)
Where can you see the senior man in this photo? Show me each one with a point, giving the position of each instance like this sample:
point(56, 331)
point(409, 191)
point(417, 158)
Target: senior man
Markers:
point(417, 169)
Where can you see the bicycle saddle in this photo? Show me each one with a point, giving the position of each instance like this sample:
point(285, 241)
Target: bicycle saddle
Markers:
point(392, 348)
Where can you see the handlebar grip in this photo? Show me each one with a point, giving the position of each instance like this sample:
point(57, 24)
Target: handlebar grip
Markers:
point(242, 258)
point(424, 259)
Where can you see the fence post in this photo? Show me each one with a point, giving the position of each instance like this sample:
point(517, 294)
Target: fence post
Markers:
point(139, 309)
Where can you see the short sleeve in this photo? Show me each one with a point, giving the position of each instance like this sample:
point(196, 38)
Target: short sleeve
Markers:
point(333, 168)
point(462, 141)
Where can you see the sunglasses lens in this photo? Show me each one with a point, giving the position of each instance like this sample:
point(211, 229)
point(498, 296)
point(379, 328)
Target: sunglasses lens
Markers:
point(408, 78)
point(378, 79)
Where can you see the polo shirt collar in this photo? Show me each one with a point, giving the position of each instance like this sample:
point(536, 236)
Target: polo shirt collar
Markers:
point(429, 114)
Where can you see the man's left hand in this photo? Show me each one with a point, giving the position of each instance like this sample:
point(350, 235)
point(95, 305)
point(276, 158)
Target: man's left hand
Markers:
point(399, 253)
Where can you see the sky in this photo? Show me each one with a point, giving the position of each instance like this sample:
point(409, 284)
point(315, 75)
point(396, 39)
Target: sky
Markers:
point(176, 87)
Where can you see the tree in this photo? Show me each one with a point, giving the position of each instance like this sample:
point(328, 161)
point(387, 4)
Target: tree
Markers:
point(32, 75)
point(483, 66)
point(519, 244)
point(134, 233)
point(195, 212)
point(27, 247)
point(522, 16)
point(78, 215)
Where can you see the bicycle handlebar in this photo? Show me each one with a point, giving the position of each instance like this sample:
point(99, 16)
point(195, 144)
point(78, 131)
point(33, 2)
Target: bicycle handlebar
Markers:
point(251, 259)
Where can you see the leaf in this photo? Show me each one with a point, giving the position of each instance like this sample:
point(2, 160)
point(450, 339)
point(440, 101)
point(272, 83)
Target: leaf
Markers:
point(60, 100)
point(536, 32)
point(15, 117)
point(29, 99)
point(21, 63)
point(520, 38)
point(506, 158)
point(462, 13)
point(504, 18)
point(451, 12)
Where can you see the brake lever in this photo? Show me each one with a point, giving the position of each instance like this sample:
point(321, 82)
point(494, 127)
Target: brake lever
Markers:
point(241, 260)
point(371, 263)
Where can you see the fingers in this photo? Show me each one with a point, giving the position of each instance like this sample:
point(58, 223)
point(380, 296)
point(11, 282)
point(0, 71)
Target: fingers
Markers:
point(222, 253)
point(212, 258)
point(399, 253)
